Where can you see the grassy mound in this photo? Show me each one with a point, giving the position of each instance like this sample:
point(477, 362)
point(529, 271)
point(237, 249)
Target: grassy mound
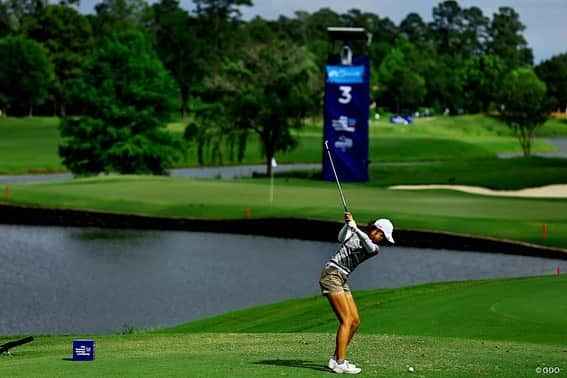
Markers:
point(523, 310)
point(496, 328)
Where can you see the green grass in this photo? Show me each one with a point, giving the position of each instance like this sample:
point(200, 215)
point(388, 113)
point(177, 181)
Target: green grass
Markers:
point(509, 218)
point(554, 127)
point(275, 355)
point(492, 173)
point(455, 138)
point(29, 145)
point(518, 310)
point(496, 328)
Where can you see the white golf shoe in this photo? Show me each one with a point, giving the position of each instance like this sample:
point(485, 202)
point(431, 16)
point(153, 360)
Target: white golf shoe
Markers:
point(346, 368)
point(333, 363)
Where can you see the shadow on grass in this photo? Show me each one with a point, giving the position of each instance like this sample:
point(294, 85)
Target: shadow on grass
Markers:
point(295, 364)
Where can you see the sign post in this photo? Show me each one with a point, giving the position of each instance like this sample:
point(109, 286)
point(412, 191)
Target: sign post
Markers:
point(347, 98)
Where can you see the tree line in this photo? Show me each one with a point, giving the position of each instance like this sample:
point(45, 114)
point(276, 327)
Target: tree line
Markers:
point(116, 75)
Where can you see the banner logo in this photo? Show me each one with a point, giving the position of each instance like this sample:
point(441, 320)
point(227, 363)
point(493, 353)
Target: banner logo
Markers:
point(345, 74)
point(345, 124)
point(343, 143)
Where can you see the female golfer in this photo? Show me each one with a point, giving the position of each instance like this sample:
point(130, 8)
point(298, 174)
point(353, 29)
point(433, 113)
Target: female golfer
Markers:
point(356, 247)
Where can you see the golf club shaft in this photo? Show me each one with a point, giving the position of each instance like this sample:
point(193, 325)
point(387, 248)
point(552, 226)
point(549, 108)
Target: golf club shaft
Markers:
point(336, 176)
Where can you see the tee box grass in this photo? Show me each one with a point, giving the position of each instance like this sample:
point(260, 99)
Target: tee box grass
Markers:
point(491, 328)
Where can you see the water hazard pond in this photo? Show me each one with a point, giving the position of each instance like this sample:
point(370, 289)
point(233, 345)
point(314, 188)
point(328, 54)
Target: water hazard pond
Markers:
point(87, 280)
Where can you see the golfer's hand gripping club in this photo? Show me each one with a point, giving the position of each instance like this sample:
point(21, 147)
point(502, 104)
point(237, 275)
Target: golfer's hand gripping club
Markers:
point(349, 220)
point(336, 176)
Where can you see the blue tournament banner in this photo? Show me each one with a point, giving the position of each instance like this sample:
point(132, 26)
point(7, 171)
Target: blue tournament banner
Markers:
point(347, 92)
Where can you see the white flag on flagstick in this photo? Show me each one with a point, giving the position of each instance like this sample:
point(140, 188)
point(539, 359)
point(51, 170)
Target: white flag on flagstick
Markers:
point(274, 162)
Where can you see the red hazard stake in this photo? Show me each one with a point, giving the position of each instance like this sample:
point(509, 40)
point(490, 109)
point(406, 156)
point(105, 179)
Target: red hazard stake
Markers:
point(558, 270)
point(7, 193)
point(544, 230)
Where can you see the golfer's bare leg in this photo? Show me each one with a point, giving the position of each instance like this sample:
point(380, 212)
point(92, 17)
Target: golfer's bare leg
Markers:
point(354, 314)
point(340, 304)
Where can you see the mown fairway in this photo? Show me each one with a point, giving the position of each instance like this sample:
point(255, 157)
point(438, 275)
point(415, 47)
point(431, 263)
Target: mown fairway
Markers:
point(519, 310)
point(29, 145)
point(509, 218)
point(501, 328)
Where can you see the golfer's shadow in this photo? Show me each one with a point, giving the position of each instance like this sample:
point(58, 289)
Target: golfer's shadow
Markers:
point(302, 364)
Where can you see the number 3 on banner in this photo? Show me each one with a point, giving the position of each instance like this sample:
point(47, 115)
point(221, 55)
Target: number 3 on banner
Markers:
point(345, 95)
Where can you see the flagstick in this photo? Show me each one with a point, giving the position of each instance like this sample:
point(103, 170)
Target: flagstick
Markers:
point(272, 187)
point(274, 165)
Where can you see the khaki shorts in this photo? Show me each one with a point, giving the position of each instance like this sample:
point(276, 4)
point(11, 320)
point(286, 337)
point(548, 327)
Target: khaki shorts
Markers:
point(333, 281)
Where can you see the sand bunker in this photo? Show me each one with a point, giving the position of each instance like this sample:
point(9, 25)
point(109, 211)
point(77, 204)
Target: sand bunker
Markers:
point(549, 191)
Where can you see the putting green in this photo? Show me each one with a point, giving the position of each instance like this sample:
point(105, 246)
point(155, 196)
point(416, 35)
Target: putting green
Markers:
point(537, 307)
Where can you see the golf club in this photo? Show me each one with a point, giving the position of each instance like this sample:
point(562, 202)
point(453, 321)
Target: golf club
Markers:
point(5, 348)
point(336, 176)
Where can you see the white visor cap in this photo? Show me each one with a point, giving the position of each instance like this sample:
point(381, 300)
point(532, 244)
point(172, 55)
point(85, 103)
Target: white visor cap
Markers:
point(387, 228)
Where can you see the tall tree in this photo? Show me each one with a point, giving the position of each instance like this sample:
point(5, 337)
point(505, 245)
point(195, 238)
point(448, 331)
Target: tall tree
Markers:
point(366, 20)
point(482, 78)
point(553, 72)
point(522, 97)
point(179, 48)
point(506, 39)
point(26, 74)
point(6, 20)
point(444, 84)
point(218, 18)
point(447, 26)
point(20, 10)
point(223, 9)
point(383, 39)
point(459, 32)
point(475, 32)
point(118, 15)
point(125, 94)
point(68, 36)
point(405, 88)
point(318, 22)
point(415, 29)
point(268, 92)
point(315, 35)
point(401, 88)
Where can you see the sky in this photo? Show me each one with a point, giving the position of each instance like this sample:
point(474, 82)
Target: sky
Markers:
point(545, 20)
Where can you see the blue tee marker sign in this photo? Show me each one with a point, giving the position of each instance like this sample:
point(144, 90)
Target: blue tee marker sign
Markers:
point(83, 350)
